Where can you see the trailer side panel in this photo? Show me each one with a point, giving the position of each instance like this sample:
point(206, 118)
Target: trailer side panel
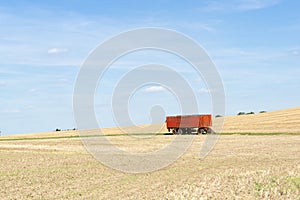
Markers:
point(189, 121)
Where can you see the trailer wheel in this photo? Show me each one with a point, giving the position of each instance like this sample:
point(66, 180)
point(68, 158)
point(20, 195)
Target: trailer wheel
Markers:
point(180, 131)
point(210, 131)
point(189, 131)
point(174, 132)
point(201, 131)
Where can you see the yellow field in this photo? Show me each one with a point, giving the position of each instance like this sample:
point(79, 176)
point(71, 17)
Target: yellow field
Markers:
point(284, 121)
point(239, 167)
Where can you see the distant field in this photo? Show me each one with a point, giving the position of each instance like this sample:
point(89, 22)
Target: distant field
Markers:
point(282, 121)
point(285, 121)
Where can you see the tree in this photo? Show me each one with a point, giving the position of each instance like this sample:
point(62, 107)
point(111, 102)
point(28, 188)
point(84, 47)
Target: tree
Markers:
point(241, 113)
point(218, 116)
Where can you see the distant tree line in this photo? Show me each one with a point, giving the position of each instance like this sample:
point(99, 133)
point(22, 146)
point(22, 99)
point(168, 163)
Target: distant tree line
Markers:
point(58, 129)
point(250, 113)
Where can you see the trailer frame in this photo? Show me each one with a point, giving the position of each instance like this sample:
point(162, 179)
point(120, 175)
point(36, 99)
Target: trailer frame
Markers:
point(189, 124)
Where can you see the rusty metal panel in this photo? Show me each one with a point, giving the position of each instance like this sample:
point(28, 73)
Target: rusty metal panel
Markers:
point(205, 121)
point(189, 121)
point(173, 121)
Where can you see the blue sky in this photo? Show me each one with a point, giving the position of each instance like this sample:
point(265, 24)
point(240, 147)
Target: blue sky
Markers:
point(255, 45)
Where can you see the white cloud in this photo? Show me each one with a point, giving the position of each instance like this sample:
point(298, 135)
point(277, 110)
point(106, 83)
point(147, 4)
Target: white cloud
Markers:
point(256, 4)
point(295, 52)
point(64, 80)
point(33, 90)
point(57, 51)
point(155, 89)
point(3, 83)
point(11, 111)
point(240, 5)
point(205, 90)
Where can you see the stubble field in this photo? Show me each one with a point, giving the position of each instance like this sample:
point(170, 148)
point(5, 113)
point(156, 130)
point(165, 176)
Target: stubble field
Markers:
point(239, 167)
point(262, 165)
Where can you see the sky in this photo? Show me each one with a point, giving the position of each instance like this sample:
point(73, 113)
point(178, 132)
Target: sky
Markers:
point(254, 44)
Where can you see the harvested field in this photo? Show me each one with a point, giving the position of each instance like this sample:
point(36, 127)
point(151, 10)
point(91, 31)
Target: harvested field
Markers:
point(56, 165)
point(239, 167)
point(282, 121)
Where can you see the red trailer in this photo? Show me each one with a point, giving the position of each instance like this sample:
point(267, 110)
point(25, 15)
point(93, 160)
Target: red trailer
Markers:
point(187, 124)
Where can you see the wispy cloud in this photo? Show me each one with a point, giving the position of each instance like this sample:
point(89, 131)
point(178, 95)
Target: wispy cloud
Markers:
point(3, 83)
point(11, 111)
point(294, 51)
point(155, 89)
point(57, 51)
point(32, 90)
point(208, 26)
point(256, 4)
point(239, 5)
point(205, 90)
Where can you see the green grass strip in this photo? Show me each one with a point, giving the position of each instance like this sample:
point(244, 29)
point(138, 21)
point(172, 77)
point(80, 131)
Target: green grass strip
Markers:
point(111, 135)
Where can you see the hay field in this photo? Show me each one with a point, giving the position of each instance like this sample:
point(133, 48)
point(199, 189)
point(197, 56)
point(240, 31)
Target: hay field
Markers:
point(282, 121)
point(38, 166)
point(154, 128)
point(239, 167)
